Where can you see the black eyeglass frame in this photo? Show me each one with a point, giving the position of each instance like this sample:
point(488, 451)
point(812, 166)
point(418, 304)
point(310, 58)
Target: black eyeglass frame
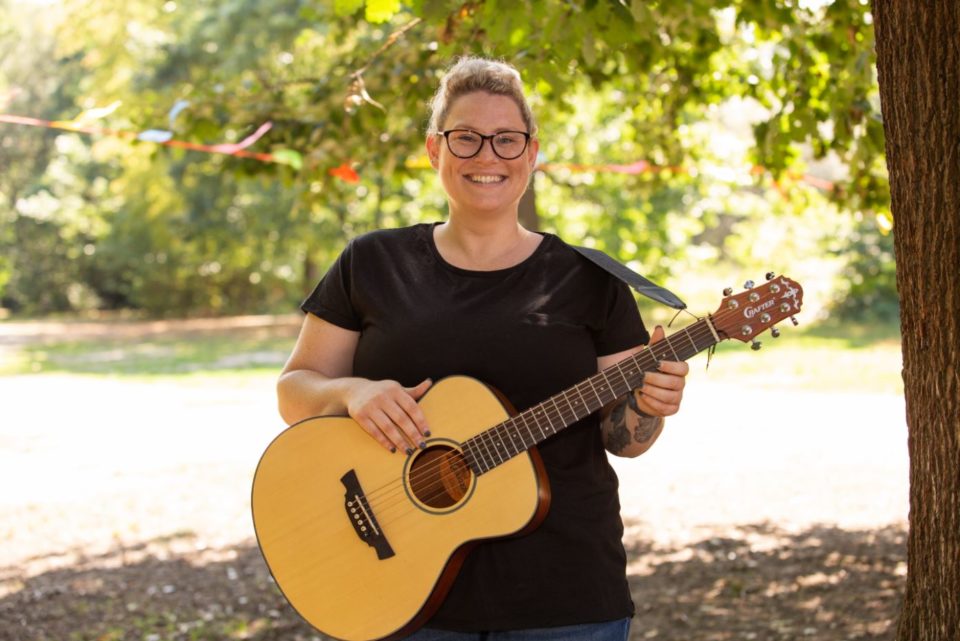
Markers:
point(526, 142)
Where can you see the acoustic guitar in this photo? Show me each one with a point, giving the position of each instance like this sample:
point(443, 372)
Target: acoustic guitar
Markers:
point(365, 544)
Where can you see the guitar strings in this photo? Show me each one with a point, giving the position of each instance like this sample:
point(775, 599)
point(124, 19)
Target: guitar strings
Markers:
point(436, 488)
point(377, 498)
point(703, 331)
point(493, 448)
point(550, 415)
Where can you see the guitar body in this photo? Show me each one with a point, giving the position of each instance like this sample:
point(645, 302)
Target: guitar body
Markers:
point(365, 544)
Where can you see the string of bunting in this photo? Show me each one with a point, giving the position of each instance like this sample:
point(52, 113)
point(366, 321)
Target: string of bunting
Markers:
point(294, 159)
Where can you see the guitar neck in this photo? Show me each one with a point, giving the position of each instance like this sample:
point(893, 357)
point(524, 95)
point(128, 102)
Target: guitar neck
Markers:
point(506, 440)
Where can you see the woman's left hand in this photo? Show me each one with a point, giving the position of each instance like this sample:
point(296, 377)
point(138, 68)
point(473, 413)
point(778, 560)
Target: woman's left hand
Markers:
point(662, 390)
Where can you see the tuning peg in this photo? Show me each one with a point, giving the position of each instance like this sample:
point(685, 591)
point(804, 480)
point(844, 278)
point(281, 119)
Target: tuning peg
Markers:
point(748, 285)
point(794, 320)
point(770, 275)
point(755, 345)
point(775, 332)
point(727, 291)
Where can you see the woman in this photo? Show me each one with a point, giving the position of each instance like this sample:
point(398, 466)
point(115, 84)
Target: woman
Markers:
point(482, 296)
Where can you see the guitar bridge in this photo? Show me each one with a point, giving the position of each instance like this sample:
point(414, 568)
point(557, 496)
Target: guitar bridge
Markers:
point(362, 518)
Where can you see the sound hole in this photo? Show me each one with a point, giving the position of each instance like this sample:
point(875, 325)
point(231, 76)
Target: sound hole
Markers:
point(439, 477)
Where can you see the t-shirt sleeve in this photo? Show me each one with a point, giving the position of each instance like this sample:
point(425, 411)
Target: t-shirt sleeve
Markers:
point(331, 300)
point(622, 327)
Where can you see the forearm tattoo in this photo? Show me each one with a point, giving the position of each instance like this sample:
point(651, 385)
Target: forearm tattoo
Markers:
point(618, 436)
point(616, 428)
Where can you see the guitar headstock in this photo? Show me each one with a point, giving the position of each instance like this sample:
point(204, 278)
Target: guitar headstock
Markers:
point(744, 315)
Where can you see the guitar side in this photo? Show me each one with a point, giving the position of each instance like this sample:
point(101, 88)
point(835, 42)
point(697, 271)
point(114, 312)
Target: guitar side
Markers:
point(365, 544)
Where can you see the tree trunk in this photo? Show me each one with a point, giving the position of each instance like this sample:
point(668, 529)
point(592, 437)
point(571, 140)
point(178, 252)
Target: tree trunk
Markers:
point(918, 59)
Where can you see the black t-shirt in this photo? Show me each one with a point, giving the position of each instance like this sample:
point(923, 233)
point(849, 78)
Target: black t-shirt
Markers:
point(530, 331)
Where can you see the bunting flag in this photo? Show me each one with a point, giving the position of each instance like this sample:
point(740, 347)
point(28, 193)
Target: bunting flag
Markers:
point(161, 137)
point(344, 172)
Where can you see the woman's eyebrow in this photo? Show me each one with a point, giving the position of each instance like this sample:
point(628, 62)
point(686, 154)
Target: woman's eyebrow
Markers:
point(477, 129)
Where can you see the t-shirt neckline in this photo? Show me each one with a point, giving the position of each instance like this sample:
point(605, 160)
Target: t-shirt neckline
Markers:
point(493, 273)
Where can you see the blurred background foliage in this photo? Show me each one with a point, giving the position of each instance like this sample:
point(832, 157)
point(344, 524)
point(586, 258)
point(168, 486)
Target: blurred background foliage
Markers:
point(752, 128)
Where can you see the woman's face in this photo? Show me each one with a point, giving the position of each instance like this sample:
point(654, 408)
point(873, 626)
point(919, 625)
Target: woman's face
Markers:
point(484, 183)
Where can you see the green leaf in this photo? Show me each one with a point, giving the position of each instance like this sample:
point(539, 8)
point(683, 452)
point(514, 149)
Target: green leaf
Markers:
point(346, 7)
point(289, 157)
point(381, 10)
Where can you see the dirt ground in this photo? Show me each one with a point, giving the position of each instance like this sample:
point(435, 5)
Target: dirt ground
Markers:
point(124, 513)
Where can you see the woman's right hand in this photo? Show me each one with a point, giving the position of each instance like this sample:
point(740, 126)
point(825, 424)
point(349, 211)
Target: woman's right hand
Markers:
point(389, 412)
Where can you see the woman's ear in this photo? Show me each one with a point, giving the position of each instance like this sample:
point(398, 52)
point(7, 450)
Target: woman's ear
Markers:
point(533, 148)
point(433, 150)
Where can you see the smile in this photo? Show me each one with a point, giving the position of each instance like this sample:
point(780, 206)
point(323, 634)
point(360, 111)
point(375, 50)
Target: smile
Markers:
point(485, 179)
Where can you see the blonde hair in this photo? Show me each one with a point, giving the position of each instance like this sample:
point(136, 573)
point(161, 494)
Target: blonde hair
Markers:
point(470, 74)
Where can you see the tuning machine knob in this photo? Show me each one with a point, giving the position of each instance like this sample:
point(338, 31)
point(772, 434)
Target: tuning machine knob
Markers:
point(727, 291)
point(749, 284)
point(771, 276)
point(755, 345)
point(793, 319)
point(775, 332)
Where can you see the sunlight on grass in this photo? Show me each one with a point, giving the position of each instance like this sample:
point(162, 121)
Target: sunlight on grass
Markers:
point(826, 358)
point(829, 357)
point(156, 356)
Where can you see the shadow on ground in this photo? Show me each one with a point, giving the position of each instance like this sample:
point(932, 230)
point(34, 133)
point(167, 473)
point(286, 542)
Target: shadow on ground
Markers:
point(756, 583)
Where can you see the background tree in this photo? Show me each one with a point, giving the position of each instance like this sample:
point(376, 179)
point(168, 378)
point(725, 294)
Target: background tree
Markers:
point(918, 57)
point(345, 84)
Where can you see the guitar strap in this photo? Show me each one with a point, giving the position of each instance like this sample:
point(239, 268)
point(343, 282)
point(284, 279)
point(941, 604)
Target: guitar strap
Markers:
point(633, 279)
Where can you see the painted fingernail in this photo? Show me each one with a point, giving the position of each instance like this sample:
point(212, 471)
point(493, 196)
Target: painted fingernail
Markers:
point(427, 433)
point(409, 451)
point(423, 445)
point(393, 450)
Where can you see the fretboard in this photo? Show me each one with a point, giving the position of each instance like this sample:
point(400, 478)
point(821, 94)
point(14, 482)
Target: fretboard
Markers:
point(503, 441)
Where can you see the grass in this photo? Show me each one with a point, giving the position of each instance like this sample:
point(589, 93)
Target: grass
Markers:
point(178, 354)
point(829, 357)
point(826, 357)
point(158, 356)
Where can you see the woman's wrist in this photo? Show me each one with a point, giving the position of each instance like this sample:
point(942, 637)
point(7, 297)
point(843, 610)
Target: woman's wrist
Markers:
point(634, 405)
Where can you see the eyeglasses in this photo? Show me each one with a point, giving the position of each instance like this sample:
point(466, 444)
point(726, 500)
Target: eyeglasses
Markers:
point(466, 143)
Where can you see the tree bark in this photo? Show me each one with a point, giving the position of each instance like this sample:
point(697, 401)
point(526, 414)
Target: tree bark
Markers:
point(918, 60)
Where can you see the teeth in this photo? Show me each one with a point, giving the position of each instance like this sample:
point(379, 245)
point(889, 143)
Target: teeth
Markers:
point(486, 179)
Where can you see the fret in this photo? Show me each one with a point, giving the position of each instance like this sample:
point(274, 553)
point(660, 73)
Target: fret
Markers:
point(573, 410)
point(623, 375)
point(583, 401)
point(594, 389)
point(482, 464)
point(513, 441)
point(540, 416)
point(611, 394)
point(534, 439)
point(497, 440)
point(490, 446)
point(563, 420)
point(669, 343)
point(498, 444)
point(514, 422)
point(633, 369)
point(616, 388)
point(526, 435)
point(470, 458)
point(502, 442)
point(659, 353)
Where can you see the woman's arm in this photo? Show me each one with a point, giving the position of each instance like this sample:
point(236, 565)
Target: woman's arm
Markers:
point(632, 423)
point(318, 380)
